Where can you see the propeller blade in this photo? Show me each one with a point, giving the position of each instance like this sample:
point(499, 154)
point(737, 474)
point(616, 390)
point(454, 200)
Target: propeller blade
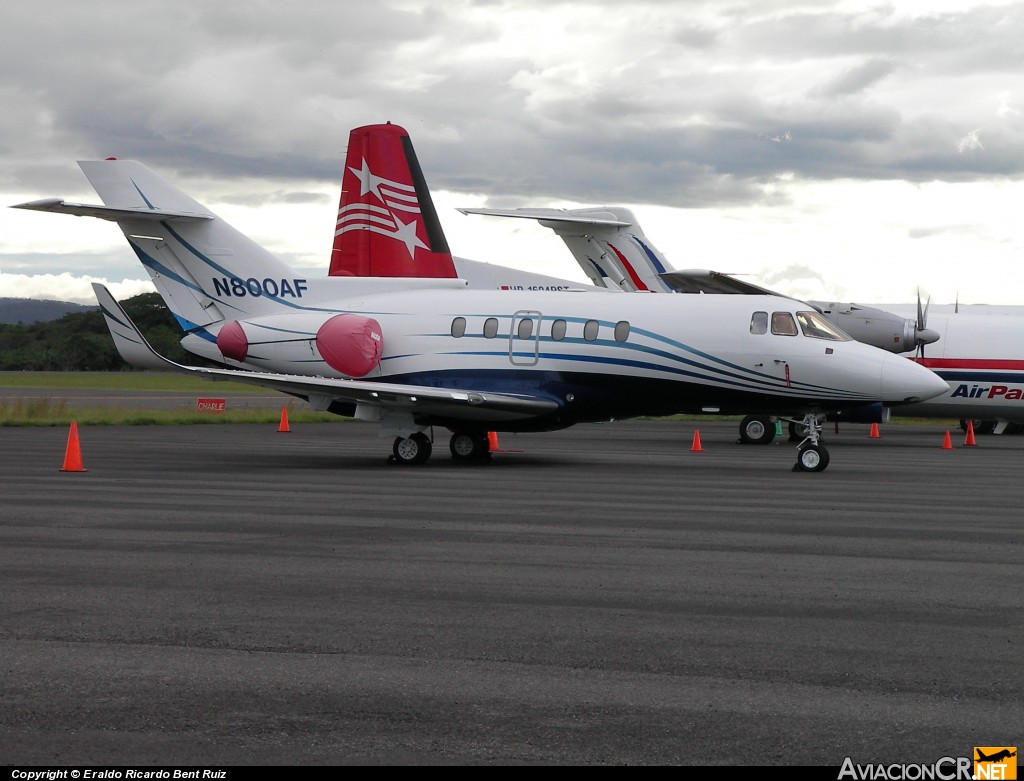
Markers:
point(923, 334)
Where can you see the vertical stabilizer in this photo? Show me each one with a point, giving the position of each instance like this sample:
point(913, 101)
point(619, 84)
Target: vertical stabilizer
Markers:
point(203, 268)
point(387, 225)
point(622, 255)
point(606, 241)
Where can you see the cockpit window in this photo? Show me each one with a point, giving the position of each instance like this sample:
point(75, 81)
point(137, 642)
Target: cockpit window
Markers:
point(816, 326)
point(759, 323)
point(784, 324)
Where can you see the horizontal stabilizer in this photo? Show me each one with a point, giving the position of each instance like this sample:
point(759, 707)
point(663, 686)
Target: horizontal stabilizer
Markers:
point(108, 212)
point(464, 403)
point(573, 217)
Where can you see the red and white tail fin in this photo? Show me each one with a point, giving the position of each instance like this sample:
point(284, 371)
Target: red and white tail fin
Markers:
point(387, 225)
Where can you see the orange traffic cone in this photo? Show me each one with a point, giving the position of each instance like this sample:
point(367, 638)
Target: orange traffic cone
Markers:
point(947, 443)
point(874, 431)
point(492, 441)
point(73, 452)
point(696, 443)
point(284, 421)
point(969, 440)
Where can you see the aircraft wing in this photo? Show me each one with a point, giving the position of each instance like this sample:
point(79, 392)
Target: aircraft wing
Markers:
point(465, 404)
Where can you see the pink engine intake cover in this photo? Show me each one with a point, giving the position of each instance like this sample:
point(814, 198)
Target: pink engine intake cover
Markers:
point(352, 344)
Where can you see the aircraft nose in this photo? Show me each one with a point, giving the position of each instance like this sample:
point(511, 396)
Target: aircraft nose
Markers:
point(906, 381)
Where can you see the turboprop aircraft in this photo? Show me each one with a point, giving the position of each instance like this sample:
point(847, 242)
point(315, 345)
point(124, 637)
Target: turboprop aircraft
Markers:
point(413, 353)
point(981, 357)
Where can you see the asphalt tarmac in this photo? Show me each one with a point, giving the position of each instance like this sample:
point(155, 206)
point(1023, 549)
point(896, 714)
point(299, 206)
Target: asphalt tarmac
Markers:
point(231, 595)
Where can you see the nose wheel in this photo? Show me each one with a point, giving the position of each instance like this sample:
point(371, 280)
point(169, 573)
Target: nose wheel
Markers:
point(811, 454)
point(811, 458)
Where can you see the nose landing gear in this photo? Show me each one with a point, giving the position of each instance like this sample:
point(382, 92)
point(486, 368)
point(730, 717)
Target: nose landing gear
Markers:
point(811, 454)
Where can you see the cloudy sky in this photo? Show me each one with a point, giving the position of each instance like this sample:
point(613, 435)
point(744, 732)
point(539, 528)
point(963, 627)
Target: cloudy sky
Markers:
point(839, 150)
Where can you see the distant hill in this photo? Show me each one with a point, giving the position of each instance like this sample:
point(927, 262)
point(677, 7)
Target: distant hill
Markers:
point(33, 310)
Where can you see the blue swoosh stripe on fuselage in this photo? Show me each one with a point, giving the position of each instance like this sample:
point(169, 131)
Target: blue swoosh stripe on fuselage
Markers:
point(776, 387)
point(613, 396)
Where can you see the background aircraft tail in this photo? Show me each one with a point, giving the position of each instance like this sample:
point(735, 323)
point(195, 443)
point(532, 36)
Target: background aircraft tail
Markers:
point(387, 225)
point(606, 241)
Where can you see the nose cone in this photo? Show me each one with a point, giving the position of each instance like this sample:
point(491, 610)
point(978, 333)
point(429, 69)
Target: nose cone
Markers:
point(904, 381)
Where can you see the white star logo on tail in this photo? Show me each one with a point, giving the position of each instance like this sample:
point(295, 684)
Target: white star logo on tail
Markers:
point(395, 196)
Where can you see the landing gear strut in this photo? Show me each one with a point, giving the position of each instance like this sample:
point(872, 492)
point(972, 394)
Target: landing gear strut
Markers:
point(811, 454)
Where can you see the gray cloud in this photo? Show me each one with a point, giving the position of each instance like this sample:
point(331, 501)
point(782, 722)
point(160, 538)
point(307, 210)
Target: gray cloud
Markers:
point(681, 104)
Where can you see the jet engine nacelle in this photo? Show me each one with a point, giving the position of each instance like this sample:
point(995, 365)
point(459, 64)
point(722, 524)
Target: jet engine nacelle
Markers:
point(350, 344)
point(878, 327)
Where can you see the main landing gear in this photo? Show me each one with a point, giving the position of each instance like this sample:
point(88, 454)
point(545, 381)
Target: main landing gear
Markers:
point(756, 430)
point(469, 446)
point(412, 450)
point(464, 446)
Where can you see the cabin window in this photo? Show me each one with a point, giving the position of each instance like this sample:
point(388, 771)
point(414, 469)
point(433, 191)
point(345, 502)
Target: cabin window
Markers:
point(621, 331)
point(590, 330)
point(459, 327)
point(490, 327)
point(759, 323)
point(558, 330)
point(525, 328)
point(784, 324)
point(817, 327)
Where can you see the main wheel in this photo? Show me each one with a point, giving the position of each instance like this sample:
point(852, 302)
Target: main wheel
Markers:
point(412, 450)
point(812, 458)
point(468, 446)
point(756, 430)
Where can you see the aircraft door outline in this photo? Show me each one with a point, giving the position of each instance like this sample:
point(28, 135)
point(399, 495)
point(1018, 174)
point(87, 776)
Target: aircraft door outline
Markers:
point(524, 330)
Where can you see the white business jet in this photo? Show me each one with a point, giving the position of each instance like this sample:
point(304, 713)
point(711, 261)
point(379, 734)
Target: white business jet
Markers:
point(413, 352)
